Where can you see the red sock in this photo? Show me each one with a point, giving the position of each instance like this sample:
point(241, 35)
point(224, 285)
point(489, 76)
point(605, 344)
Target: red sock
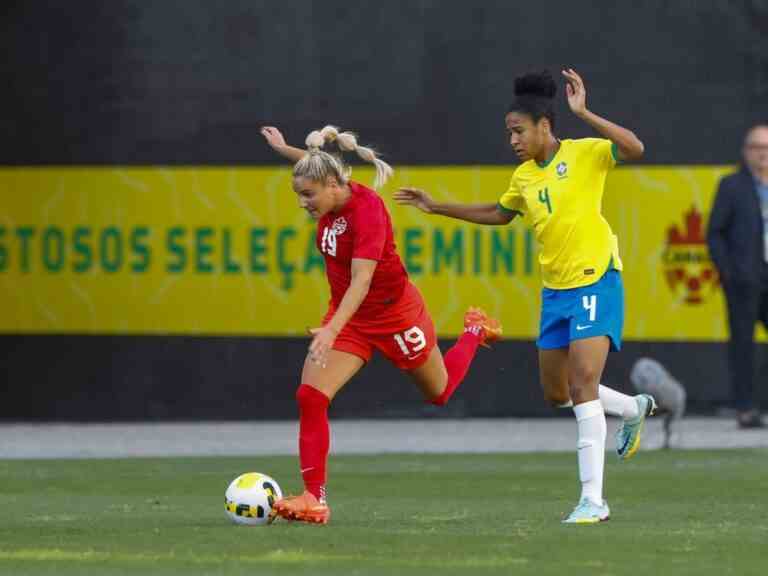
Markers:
point(457, 361)
point(314, 438)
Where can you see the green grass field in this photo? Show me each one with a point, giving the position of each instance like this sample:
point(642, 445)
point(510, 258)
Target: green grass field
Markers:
point(672, 513)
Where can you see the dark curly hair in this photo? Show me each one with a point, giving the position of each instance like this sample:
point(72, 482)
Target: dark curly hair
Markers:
point(534, 96)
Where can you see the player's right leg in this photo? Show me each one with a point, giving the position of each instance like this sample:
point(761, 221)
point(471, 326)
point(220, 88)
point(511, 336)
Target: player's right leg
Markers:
point(553, 375)
point(319, 386)
point(586, 361)
point(554, 371)
point(571, 371)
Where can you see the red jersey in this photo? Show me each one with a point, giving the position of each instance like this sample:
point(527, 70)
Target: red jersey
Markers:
point(362, 228)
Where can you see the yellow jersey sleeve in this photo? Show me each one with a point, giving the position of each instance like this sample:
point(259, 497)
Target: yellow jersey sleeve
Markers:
point(512, 201)
point(605, 153)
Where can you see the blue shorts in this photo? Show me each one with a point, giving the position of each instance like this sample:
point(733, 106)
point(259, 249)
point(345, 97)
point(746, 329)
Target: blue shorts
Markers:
point(585, 312)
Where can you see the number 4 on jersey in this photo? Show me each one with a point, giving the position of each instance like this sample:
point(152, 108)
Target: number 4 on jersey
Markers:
point(544, 199)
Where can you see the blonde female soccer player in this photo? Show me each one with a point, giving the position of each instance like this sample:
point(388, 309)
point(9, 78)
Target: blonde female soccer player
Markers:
point(559, 188)
point(373, 305)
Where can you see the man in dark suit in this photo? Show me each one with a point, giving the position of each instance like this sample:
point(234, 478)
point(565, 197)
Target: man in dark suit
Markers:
point(738, 243)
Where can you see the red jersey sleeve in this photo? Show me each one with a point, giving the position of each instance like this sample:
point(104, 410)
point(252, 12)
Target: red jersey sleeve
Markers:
point(371, 224)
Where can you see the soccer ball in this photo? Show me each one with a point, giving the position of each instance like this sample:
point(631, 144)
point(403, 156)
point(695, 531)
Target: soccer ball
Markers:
point(249, 499)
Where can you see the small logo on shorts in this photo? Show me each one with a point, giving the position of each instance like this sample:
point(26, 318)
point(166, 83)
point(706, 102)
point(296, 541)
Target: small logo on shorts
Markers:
point(580, 327)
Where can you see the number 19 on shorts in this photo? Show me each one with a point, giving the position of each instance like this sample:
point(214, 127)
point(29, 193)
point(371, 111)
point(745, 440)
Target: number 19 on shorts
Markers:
point(411, 341)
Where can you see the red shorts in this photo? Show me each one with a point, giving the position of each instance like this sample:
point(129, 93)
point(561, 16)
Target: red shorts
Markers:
point(404, 333)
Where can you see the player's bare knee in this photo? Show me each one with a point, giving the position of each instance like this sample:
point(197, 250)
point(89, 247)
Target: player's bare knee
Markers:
point(584, 375)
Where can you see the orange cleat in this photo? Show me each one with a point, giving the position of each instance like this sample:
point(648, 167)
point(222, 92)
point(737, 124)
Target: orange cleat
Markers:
point(304, 508)
point(491, 328)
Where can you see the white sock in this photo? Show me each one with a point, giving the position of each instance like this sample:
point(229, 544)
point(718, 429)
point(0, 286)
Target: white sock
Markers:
point(591, 449)
point(614, 403)
point(617, 404)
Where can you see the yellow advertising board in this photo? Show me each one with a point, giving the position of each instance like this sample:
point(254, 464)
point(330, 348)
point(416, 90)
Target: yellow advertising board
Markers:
point(212, 251)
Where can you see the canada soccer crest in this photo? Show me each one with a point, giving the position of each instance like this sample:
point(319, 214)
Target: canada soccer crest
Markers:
point(688, 268)
point(339, 226)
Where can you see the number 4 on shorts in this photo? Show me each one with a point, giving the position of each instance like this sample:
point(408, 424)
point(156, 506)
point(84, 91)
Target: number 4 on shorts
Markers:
point(590, 304)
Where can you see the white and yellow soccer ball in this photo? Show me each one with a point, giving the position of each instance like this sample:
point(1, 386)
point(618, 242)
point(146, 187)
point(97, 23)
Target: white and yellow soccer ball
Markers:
point(249, 499)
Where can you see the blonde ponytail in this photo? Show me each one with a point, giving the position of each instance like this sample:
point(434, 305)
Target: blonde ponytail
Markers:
point(326, 163)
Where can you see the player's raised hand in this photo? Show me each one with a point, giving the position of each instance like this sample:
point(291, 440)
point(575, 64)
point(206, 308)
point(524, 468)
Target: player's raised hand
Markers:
point(273, 137)
point(414, 197)
point(576, 91)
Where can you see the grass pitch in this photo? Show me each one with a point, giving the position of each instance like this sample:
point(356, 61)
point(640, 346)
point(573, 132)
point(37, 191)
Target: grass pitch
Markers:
point(672, 513)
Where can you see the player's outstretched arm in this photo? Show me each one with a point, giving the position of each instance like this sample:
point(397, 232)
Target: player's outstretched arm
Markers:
point(630, 147)
point(477, 213)
point(275, 139)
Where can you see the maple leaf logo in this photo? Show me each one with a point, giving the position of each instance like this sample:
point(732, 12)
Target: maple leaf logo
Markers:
point(688, 268)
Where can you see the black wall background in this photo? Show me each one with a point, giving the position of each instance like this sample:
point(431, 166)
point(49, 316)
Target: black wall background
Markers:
point(428, 82)
point(186, 378)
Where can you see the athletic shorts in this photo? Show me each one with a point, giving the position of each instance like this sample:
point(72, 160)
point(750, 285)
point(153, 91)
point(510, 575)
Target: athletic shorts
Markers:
point(403, 333)
point(585, 312)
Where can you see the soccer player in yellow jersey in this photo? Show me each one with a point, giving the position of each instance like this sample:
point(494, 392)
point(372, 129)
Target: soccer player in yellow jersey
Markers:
point(558, 189)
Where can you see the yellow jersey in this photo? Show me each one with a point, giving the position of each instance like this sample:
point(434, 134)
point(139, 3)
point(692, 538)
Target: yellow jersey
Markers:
point(562, 200)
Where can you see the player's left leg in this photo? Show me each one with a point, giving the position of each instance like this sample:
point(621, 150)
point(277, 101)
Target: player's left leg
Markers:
point(598, 310)
point(439, 377)
point(410, 343)
point(632, 410)
point(586, 360)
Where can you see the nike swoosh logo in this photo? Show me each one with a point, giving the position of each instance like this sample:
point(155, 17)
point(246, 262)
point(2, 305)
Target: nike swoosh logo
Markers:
point(414, 356)
point(624, 446)
point(580, 327)
point(307, 469)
